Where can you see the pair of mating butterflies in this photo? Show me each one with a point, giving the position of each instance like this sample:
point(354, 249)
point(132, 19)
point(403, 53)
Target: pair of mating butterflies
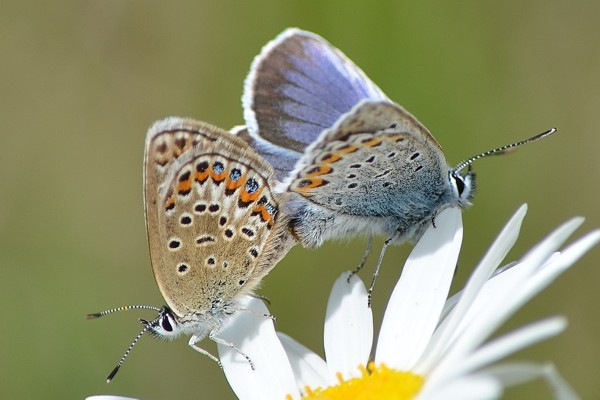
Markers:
point(324, 154)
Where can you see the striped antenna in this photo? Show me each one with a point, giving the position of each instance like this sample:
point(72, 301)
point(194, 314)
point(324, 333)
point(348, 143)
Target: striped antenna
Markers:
point(124, 308)
point(112, 374)
point(502, 150)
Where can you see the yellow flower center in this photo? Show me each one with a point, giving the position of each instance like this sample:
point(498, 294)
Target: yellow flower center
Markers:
point(378, 383)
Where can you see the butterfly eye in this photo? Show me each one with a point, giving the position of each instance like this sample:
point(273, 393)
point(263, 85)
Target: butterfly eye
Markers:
point(464, 186)
point(166, 324)
point(460, 184)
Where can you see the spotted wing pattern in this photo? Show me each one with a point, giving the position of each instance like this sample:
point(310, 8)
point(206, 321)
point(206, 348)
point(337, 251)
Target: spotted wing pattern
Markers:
point(377, 148)
point(376, 172)
point(212, 219)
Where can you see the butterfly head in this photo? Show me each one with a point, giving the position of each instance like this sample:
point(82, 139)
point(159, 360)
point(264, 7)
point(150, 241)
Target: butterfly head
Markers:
point(165, 326)
point(463, 184)
point(168, 326)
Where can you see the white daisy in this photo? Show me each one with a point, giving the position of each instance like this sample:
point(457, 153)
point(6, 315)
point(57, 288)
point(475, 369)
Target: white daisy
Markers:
point(429, 347)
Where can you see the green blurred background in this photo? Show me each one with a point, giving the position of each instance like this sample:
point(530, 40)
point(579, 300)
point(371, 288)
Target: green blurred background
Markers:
point(81, 81)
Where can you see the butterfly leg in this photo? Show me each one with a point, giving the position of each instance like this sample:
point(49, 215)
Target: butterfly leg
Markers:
point(192, 343)
point(376, 273)
point(258, 314)
point(364, 259)
point(218, 340)
point(260, 297)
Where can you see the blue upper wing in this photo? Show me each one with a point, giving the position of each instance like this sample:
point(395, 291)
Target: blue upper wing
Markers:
point(298, 86)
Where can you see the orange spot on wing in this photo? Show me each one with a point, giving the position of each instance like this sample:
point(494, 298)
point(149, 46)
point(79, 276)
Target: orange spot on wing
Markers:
point(250, 197)
point(265, 216)
point(331, 158)
point(347, 149)
point(318, 170)
point(170, 203)
point(395, 138)
point(338, 154)
point(232, 185)
point(201, 176)
point(218, 177)
point(305, 185)
point(184, 186)
point(372, 142)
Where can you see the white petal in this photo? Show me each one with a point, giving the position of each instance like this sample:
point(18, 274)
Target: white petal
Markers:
point(560, 388)
point(563, 260)
point(498, 287)
point(309, 368)
point(556, 265)
point(507, 292)
point(502, 296)
point(450, 327)
point(510, 343)
point(477, 387)
point(545, 249)
point(255, 336)
point(108, 397)
point(524, 291)
point(515, 373)
point(348, 328)
point(418, 298)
